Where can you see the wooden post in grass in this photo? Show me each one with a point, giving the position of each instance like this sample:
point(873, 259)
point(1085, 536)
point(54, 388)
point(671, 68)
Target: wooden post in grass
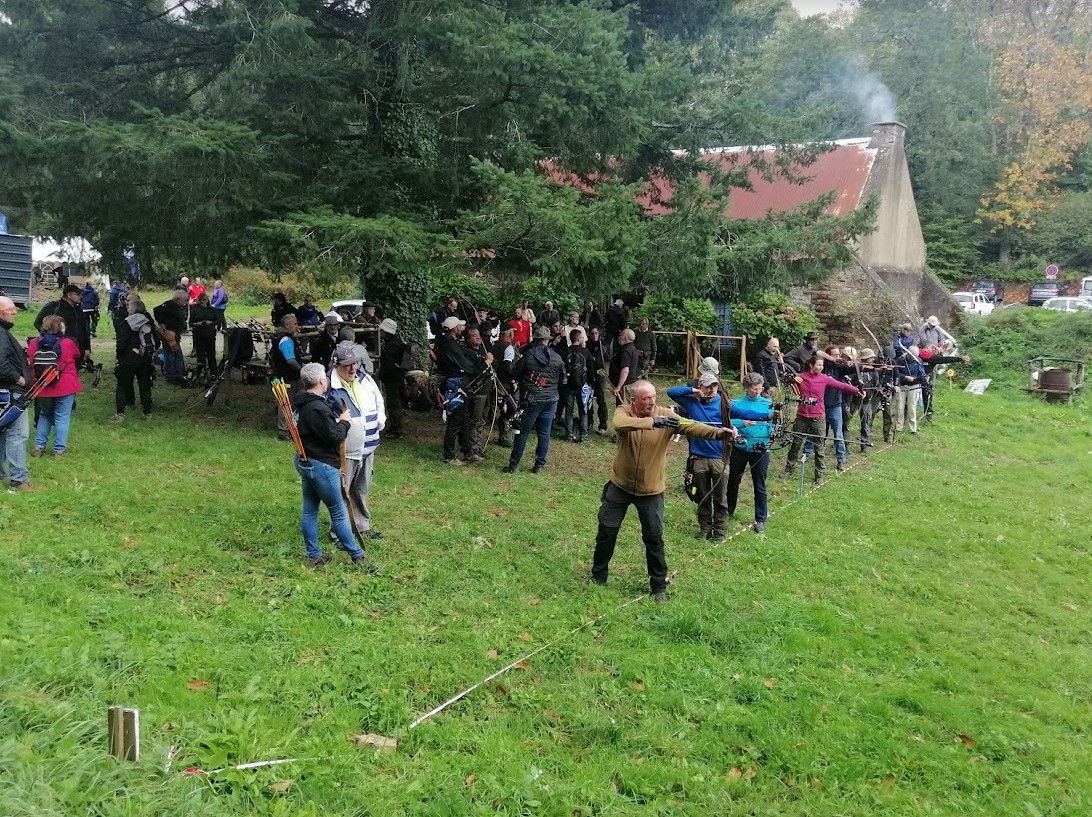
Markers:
point(124, 729)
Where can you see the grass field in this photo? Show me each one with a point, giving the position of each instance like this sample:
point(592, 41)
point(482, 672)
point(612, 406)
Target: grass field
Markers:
point(912, 639)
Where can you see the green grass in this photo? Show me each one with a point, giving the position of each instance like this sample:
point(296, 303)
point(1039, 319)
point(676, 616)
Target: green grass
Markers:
point(911, 639)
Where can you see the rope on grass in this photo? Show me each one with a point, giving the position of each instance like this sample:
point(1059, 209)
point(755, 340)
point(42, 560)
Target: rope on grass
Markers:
point(593, 621)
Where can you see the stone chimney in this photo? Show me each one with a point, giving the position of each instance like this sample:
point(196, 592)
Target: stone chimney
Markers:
point(889, 136)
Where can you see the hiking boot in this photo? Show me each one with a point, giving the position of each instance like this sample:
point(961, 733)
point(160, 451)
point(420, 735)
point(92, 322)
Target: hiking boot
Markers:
point(572, 438)
point(718, 536)
point(507, 443)
point(57, 454)
point(371, 533)
point(19, 487)
point(474, 459)
point(366, 564)
point(509, 469)
point(117, 418)
point(758, 527)
point(146, 416)
point(818, 480)
point(537, 469)
point(594, 580)
point(841, 468)
point(786, 473)
point(703, 533)
point(660, 598)
point(454, 462)
point(38, 452)
point(319, 561)
point(602, 432)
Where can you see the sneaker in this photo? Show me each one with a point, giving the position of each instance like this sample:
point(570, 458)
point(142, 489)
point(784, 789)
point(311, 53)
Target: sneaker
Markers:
point(38, 452)
point(118, 418)
point(319, 561)
point(366, 564)
point(371, 533)
point(146, 416)
point(758, 527)
point(474, 459)
point(583, 439)
point(602, 432)
point(818, 481)
point(509, 469)
point(703, 533)
point(454, 462)
point(660, 598)
point(718, 536)
point(841, 468)
point(572, 438)
point(786, 473)
point(59, 454)
point(537, 469)
point(594, 580)
point(27, 487)
point(504, 441)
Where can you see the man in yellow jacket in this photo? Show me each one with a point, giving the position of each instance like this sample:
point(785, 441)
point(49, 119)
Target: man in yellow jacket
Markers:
point(637, 478)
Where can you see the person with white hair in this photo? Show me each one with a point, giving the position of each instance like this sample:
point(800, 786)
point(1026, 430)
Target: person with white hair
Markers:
point(322, 431)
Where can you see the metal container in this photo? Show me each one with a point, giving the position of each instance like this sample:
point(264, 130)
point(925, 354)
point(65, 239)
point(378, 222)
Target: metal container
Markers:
point(1056, 384)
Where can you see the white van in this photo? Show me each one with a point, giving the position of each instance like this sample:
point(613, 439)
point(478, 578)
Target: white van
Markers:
point(1086, 287)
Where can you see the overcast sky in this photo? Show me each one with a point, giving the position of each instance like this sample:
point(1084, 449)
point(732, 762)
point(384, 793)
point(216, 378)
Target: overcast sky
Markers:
point(809, 7)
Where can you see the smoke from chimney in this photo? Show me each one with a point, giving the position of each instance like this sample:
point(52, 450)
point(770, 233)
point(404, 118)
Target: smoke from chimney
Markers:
point(875, 100)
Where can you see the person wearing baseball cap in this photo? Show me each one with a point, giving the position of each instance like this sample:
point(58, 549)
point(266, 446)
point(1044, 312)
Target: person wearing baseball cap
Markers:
point(395, 359)
point(457, 365)
point(351, 387)
point(930, 333)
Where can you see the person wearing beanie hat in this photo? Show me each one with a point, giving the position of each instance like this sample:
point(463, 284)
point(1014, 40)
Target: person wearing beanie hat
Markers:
point(705, 404)
point(395, 359)
point(540, 373)
point(351, 387)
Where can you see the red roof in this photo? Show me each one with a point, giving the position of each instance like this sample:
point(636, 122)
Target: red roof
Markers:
point(844, 168)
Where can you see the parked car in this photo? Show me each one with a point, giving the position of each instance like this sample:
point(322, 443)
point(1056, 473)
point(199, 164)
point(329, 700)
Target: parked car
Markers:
point(353, 306)
point(1069, 305)
point(973, 302)
point(991, 288)
point(1043, 291)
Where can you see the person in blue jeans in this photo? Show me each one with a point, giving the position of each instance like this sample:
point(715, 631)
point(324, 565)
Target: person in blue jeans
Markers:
point(751, 448)
point(540, 373)
point(832, 400)
point(321, 433)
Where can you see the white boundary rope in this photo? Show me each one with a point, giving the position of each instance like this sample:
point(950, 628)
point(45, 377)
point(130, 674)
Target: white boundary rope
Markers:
point(593, 621)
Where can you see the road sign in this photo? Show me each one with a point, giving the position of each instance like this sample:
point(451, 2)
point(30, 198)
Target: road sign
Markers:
point(1052, 271)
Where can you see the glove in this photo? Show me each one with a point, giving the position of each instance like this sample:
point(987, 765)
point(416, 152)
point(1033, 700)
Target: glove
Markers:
point(665, 422)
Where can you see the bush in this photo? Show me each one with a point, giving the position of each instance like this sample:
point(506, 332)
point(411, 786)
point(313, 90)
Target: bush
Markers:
point(468, 290)
point(253, 286)
point(1001, 345)
point(772, 315)
point(677, 315)
point(536, 291)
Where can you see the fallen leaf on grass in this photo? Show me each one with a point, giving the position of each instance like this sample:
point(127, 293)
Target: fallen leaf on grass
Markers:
point(799, 745)
point(815, 783)
point(735, 773)
point(281, 786)
point(736, 676)
point(526, 636)
point(494, 512)
point(965, 740)
point(637, 685)
point(491, 654)
point(788, 781)
point(521, 665)
point(1000, 538)
point(175, 466)
point(1070, 606)
point(168, 726)
point(220, 598)
point(876, 575)
point(197, 684)
point(469, 779)
point(377, 742)
point(769, 683)
point(750, 773)
point(534, 602)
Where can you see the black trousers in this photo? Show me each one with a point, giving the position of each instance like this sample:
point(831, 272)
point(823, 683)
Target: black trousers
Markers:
point(599, 404)
point(124, 395)
point(457, 432)
point(650, 510)
point(205, 350)
point(396, 409)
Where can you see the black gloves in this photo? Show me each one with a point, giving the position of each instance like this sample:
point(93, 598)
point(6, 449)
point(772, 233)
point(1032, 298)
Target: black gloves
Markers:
point(665, 422)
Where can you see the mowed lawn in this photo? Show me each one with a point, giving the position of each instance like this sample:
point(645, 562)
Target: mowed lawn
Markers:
point(911, 639)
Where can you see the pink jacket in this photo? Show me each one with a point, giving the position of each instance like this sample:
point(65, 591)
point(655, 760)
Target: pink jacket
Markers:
point(812, 387)
point(69, 380)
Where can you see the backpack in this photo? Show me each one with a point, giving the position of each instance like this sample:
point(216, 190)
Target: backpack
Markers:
point(146, 342)
point(46, 357)
point(409, 358)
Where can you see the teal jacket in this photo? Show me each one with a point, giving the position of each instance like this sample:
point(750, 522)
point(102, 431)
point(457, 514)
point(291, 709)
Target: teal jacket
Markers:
point(757, 436)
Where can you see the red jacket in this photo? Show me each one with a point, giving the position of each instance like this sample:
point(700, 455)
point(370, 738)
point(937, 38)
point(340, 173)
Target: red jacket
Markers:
point(521, 334)
point(69, 380)
point(812, 387)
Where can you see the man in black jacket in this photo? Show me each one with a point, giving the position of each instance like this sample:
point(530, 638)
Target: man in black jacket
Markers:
point(205, 322)
point(392, 376)
point(506, 355)
point(321, 433)
point(134, 360)
point(286, 360)
point(598, 351)
point(172, 316)
point(769, 363)
point(540, 372)
point(15, 379)
point(624, 366)
point(68, 308)
point(457, 366)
